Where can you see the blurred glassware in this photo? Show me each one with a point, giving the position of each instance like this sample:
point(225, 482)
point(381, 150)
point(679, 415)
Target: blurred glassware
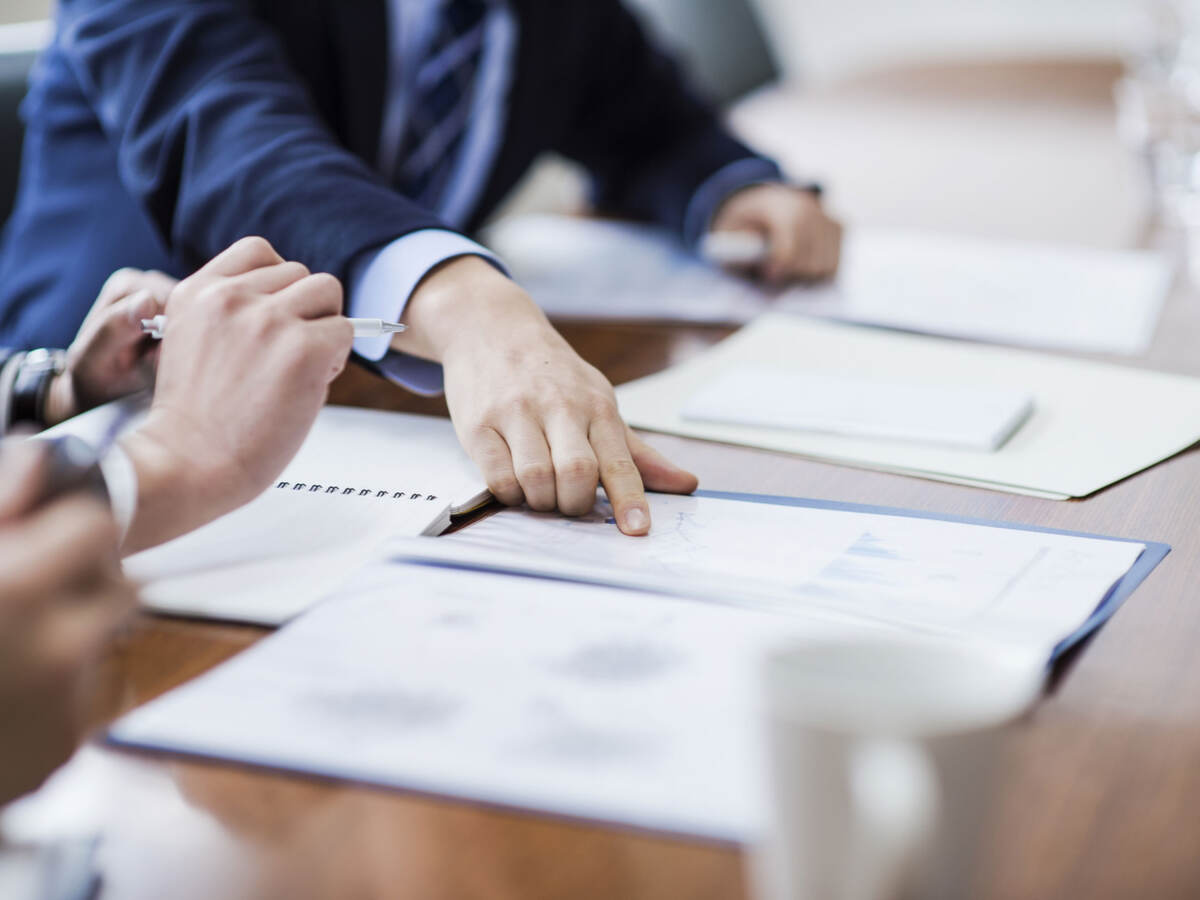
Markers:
point(1158, 117)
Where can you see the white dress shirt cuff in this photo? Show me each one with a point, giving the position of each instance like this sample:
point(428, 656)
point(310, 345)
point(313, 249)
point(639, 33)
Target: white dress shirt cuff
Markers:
point(120, 478)
point(383, 283)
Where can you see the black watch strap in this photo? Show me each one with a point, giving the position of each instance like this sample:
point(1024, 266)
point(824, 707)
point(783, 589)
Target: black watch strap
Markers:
point(32, 384)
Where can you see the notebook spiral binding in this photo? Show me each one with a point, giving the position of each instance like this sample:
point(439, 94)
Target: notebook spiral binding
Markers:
point(349, 491)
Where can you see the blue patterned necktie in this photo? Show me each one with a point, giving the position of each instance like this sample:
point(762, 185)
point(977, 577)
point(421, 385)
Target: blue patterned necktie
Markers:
point(440, 106)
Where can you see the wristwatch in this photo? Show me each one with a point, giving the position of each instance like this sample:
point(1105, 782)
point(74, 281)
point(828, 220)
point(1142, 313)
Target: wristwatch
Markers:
point(34, 375)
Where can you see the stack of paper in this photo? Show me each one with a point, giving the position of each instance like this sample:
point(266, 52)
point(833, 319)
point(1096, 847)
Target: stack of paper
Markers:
point(1057, 297)
point(1092, 423)
point(603, 702)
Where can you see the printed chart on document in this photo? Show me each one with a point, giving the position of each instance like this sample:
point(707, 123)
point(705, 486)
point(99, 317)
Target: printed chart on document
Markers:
point(923, 574)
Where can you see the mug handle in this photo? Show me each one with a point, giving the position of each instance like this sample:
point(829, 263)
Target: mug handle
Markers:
point(895, 798)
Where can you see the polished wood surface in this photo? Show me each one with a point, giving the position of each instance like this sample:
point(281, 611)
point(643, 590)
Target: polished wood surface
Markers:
point(1099, 790)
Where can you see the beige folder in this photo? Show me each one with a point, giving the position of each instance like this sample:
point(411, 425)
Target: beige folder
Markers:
point(1092, 424)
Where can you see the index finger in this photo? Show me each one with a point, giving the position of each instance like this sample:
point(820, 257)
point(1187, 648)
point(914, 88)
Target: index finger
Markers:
point(620, 477)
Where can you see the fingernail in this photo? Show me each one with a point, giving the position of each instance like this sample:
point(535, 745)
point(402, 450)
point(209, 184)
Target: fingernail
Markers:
point(636, 520)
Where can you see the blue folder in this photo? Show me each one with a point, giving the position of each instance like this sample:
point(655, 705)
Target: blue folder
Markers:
point(1154, 553)
point(1151, 556)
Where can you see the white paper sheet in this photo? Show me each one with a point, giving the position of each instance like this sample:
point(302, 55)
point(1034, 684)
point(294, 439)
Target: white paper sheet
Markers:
point(597, 700)
point(571, 699)
point(950, 413)
point(1024, 589)
point(1093, 423)
point(1055, 297)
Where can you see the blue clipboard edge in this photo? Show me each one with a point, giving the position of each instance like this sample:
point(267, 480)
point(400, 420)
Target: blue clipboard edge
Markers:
point(1155, 551)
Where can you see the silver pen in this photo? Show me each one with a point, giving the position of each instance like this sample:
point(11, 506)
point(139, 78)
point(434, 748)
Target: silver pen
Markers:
point(362, 327)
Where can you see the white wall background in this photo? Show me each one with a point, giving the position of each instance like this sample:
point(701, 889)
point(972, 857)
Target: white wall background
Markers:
point(24, 10)
point(824, 40)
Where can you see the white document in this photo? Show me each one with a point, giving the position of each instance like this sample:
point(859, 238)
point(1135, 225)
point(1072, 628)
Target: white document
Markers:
point(1026, 590)
point(617, 705)
point(1055, 297)
point(1092, 425)
point(1033, 295)
point(360, 478)
point(598, 700)
point(571, 699)
point(954, 414)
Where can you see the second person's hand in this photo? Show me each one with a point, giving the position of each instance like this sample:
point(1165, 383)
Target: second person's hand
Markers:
point(110, 357)
point(541, 424)
point(804, 242)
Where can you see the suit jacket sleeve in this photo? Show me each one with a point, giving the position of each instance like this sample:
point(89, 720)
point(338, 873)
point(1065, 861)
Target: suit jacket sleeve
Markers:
point(648, 140)
point(217, 136)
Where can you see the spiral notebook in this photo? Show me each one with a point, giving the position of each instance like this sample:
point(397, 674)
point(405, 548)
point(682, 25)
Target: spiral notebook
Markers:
point(361, 478)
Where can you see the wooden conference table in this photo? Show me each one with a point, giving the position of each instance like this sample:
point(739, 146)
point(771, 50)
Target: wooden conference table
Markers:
point(1102, 783)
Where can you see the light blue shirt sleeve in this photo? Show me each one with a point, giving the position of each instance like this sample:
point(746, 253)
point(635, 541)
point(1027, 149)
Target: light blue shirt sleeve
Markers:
point(383, 283)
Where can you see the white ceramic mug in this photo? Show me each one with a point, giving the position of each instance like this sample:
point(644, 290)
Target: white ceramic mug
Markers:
point(882, 753)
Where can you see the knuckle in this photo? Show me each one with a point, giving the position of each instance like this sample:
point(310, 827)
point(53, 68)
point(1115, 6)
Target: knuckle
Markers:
point(536, 474)
point(619, 467)
point(294, 270)
point(121, 281)
point(324, 282)
point(256, 248)
point(480, 434)
point(603, 406)
point(526, 406)
point(506, 489)
point(328, 288)
point(225, 296)
point(493, 458)
point(265, 327)
point(579, 469)
point(502, 409)
point(579, 505)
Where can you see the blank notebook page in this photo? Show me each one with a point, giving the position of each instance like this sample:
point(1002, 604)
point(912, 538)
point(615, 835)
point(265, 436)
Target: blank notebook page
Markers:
point(957, 415)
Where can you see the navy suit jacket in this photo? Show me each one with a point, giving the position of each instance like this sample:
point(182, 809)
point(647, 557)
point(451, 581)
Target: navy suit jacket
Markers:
point(160, 131)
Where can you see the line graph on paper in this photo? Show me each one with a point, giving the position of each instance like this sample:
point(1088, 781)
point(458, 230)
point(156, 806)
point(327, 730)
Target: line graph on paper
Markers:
point(927, 574)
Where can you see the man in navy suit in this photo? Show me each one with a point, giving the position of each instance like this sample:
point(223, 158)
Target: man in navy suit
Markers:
point(366, 139)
